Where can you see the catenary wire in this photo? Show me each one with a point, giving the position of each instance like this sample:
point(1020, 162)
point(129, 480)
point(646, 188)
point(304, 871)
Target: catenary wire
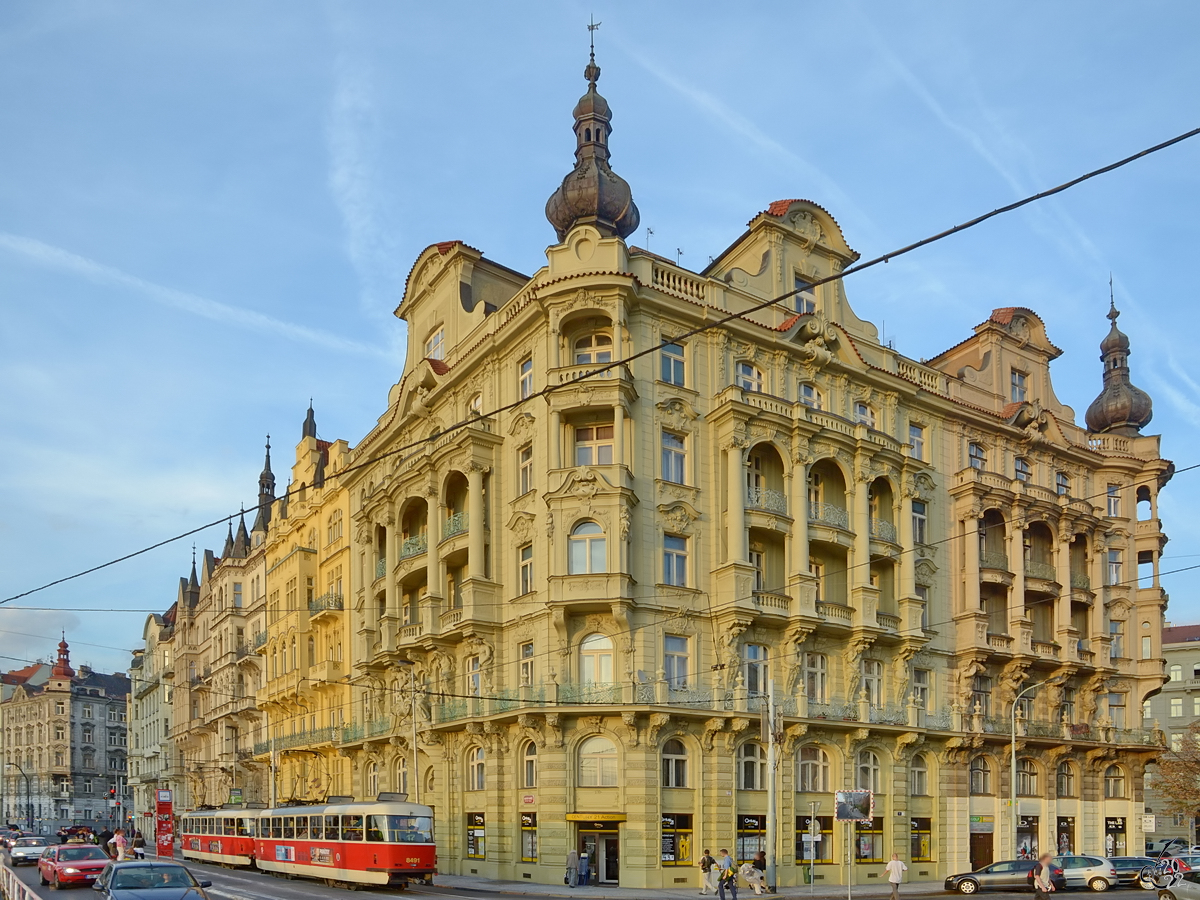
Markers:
point(717, 323)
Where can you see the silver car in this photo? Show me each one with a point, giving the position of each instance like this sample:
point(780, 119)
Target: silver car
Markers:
point(27, 850)
point(1094, 872)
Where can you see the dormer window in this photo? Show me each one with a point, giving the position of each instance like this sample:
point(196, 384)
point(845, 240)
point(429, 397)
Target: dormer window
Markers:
point(1019, 386)
point(593, 349)
point(435, 345)
point(805, 299)
point(749, 378)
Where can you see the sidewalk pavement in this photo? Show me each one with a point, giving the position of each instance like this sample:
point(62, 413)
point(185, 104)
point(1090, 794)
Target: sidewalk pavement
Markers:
point(597, 892)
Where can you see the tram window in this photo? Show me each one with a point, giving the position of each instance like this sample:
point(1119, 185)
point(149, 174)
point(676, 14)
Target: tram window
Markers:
point(276, 827)
point(377, 828)
point(245, 827)
point(352, 828)
point(411, 829)
point(331, 829)
point(302, 828)
point(316, 831)
point(230, 828)
point(289, 828)
point(212, 825)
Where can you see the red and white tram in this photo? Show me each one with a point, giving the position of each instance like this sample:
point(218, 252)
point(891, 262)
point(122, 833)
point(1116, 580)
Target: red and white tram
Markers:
point(384, 842)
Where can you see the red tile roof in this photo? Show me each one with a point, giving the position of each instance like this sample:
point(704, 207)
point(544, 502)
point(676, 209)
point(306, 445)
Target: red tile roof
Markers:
point(1003, 315)
point(788, 323)
point(438, 365)
point(443, 247)
point(1179, 634)
point(20, 676)
point(1010, 409)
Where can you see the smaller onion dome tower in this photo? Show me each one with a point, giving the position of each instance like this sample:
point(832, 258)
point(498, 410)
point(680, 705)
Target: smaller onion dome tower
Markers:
point(1121, 408)
point(592, 193)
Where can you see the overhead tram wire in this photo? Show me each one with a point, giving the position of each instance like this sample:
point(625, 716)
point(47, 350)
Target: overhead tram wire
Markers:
point(600, 370)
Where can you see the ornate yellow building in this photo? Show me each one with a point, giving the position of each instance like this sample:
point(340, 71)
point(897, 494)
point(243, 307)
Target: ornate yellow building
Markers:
point(586, 596)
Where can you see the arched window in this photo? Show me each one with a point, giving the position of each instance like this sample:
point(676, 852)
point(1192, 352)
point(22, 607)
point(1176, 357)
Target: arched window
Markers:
point(1176, 672)
point(868, 771)
point(918, 777)
point(476, 774)
point(588, 550)
point(593, 349)
point(295, 656)
point(476, 406)
point(812, 771)
point(1114, 782)
point(596, 659)
point(1027, 778)
point(752, 767)
point(1066, 779)
point(981, 776)
point(977, 456)
point(529, 770)
point(401, 781)
point(597, 763)
point(749, 378)
point(372, 786)
point(674, 764)
point(312, 653)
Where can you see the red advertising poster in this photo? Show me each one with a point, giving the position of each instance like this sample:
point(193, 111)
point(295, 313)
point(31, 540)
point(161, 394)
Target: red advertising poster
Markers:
point(164, 827)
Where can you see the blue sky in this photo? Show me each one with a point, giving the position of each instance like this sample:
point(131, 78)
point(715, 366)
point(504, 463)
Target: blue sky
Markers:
point(207, 212)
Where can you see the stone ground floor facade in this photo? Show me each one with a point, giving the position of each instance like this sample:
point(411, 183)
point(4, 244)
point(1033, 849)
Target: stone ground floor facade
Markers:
point(645, 791)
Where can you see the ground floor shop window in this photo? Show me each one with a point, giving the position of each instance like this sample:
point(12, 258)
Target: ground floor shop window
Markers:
point(1114, 836)
point(814, 844)
point(868, 841)
point(1027, 837)
point(921, 849)
point(476, 836)
point(751, 836)
point(676, 840)
point(529, 847)
point(1066, 834)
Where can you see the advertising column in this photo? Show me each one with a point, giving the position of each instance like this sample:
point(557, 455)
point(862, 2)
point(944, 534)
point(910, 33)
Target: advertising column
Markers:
point(164, 825)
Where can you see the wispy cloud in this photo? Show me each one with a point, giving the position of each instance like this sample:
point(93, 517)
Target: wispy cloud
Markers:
point(64, 260)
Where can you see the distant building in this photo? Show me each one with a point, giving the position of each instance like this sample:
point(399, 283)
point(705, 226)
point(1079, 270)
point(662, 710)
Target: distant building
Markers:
point(153, 763)
point(64, 747)
point(1174, 710)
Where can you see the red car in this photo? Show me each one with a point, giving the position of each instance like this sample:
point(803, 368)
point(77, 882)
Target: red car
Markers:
point(66, 864)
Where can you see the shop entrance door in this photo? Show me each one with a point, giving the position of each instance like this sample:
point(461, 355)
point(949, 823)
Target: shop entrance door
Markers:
point(609, 869)
point(981, 851)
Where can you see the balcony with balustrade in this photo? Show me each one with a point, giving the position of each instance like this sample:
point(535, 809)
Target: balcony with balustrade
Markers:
point(326, 607)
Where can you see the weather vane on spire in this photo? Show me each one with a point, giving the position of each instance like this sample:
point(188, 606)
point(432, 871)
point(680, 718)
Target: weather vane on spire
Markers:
point(1112, 302)
point(592, 72)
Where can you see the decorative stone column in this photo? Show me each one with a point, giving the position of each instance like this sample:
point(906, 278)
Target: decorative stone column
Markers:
point(736, 518)
point(475, 520)
point(861, 520)
point(971, 595)
point(1016, 565)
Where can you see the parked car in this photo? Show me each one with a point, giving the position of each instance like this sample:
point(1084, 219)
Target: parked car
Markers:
point(27, 849)
point(1188, 888)
point(8, 837)
point(1129, 869)
point(1014, 873)
point(145, 880)
point(1095, 872)
point(65, 864)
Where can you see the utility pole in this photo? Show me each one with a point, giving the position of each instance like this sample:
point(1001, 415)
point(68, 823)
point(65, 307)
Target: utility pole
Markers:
point(1012, 783)
point(772, 817)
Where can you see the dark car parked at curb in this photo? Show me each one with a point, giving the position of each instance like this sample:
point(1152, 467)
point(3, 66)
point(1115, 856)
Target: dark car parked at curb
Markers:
point(145, 880)
point(1129, 869)
point(999, 876)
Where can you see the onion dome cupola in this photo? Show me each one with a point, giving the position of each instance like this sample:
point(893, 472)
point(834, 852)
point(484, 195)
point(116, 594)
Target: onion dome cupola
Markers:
point(62, 668)
point(592, 193)
point(1121, 408)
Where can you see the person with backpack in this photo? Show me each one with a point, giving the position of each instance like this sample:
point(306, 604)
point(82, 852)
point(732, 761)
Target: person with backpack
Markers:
point(708, 874)
point(726, 876)
point(1043, 886)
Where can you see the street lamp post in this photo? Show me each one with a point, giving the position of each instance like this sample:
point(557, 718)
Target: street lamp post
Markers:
point(28, 796)
point(1012, 783)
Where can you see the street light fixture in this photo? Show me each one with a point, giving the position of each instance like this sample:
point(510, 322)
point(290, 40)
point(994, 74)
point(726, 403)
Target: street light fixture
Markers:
point(1012, 783)
point(28, 795)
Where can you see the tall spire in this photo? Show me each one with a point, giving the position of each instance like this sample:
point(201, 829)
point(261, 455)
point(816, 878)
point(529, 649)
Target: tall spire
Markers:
point(241, 541)
point(310, 423)
point(227, 550)
point(266, 493)
point(592, 193)
point(193, 581)
point(1121, 408)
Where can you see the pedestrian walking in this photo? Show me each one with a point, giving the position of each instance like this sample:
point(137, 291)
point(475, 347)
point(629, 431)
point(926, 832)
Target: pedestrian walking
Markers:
point(1042, 885)
point(139, 845)
point(726, 876)
point(584, 870)
point(759, 863)
point(894, 871)
point(708, 874)
point(119, 844)
point(103, 839)
point(572, 867)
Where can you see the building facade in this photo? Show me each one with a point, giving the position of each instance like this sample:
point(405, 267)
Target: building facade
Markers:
point(579, 604)
point(153, 762)
point(1176, 709)
point(65, 740)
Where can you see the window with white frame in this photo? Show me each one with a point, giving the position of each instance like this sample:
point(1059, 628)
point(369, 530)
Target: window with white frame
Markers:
point(920, 522)
point(863, 413)
point(806, 301)
point(526, 563)
point(401, 774)
point(525, 379)
point(474, 677)
point(812, 770)
point(475, 407)
point(525, 469)
point(1065, 780)
point(1175, 672)
point(596, 659)
point(981, 776)
point(674, 458)
point(671, 359)
point(749, 377)
point(1114, 567)
point(758, 562)
point(1021, 470)
point(676, 666)
point(587, 550)
point(674, 764)
point(922, 682)
point(752, 767)
point(868, 771)
point(1027, 778)
point(918, 777)
point(1062, 484)
point(1019, 383)
point(872, 675)
point(977, 456)
point(526, 655)
point(916, 441)
point(529, 768)
point(816, 677)
point(1176, 742)
point(594, 445)
point(598, 763)
point(675, 560)
point(593, 349)
point(756, 669)
point(1114, 500)
point(372, 780)
point(1176, 707)
point(476, 770)
point(810, 396)
point(435, 345)
point(817, 569)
